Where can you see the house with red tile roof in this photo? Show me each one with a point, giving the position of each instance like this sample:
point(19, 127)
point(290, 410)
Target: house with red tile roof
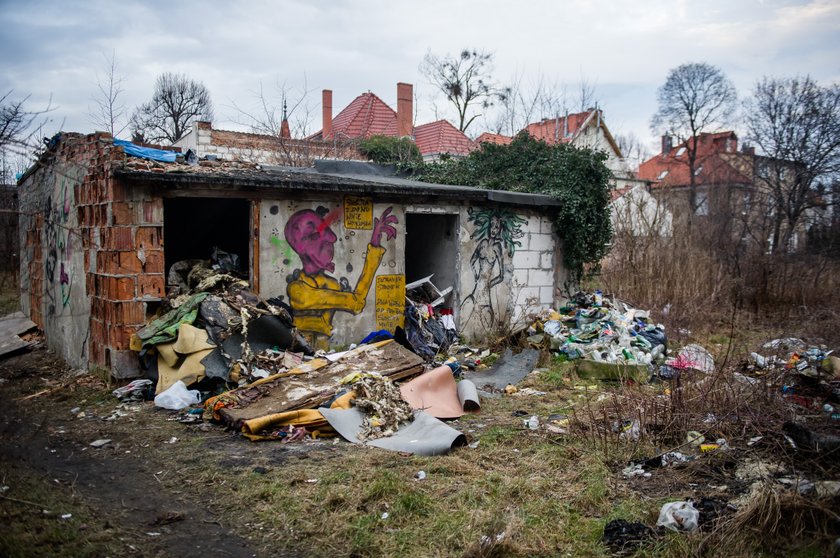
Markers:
point(442, 138)
point(730, 183)
point(497, 139)
point(586, 129)
point(367, 115)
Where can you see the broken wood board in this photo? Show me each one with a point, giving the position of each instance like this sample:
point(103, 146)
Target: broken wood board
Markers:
point(307, 390)
point(11, 327)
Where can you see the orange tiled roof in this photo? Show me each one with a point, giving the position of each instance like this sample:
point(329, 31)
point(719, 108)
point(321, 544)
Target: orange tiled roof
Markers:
point(558, 130)
point(717, 163)
point(498, 139)
point(366, 116)
point(442, 137)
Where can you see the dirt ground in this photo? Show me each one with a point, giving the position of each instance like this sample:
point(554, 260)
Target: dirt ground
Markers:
point(125, 497)
point(160, 487)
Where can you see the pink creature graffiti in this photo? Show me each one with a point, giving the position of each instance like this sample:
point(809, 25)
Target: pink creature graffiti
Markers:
point(314, 294)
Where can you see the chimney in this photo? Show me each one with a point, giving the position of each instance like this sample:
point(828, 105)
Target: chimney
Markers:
point(405, 109)
point(666, 144)
point(326, 108)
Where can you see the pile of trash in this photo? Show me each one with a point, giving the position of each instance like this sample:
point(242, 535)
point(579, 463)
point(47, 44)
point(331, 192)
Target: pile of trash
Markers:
point(601, 328)
point(429, 327)
point(809, 374)
point(223, 352)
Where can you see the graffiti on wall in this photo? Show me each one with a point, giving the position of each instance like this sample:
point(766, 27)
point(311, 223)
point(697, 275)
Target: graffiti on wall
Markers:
point(496, 232)
point(59, 246)
point(314, 292)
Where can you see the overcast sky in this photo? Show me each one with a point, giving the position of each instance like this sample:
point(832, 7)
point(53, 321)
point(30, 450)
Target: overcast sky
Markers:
point(57, 49)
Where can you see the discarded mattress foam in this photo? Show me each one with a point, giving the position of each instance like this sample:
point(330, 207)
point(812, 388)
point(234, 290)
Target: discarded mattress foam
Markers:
point(425, 435)
point(181, 359)
point(437, 393)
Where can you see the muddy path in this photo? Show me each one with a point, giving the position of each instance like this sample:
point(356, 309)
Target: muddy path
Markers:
point(131, 495)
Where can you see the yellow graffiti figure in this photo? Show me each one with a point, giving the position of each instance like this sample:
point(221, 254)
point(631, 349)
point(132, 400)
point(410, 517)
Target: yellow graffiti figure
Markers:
point(314, 294)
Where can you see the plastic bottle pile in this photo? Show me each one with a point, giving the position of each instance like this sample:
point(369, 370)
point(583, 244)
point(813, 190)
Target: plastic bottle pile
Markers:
point(600, 328)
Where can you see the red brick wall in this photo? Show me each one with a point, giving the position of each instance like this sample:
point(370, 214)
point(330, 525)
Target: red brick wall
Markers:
point(121, 232)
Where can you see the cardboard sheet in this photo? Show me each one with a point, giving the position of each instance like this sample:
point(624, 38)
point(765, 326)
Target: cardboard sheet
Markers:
point(426, 435)
point(437, 393)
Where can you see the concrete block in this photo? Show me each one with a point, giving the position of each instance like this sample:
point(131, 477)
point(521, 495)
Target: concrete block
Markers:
point(527, 296)
point(546, 225)
point(547, 260)
point(540, 278)
point(523, 259)
point(533, 224)
point(547, 295)
point(541, 242)
point(124, 364)
point(520, 277)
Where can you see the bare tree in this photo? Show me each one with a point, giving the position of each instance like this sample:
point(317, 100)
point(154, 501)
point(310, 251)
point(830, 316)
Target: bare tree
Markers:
point(266, 116)
point(632, 149)
point(695, 98)
point(795, 123)
point(20, 130)
point(587, 94)
point(284, 103)
point(177, 102)
point(465, 80)
point(108, 112)
point(520, 103)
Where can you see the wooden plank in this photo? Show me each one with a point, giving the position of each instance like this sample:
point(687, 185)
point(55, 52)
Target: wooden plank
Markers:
point(307, 391)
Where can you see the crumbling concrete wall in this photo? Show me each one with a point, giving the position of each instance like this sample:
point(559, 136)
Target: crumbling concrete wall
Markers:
point(91, 252)
point(510, 266)
point(264, 149)
point(339, 262)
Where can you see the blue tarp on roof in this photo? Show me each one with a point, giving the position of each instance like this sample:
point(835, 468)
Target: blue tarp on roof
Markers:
point(146, 152)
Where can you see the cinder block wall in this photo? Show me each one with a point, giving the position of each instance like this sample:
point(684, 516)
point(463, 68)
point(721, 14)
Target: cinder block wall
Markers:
point(92, 252)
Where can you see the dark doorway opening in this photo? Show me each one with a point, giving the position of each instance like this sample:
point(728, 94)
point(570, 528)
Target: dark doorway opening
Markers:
point(193, 226)
point(431, 247)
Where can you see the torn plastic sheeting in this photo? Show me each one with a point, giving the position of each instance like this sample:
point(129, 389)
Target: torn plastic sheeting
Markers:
point(426, 435)
point(146, 152)
point(437, 393)
point(264, 333)
point(166, 327)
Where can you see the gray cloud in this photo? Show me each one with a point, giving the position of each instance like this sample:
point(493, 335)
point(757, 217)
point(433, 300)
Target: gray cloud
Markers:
point(351, 46)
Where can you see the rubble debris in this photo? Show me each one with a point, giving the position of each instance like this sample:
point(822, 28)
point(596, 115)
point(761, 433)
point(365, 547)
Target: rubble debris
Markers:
point(311, 384)
point(429, 327)
point(136, 390)
point(382, 404)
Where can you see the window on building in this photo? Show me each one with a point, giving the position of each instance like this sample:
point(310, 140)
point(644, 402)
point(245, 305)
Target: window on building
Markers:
point(662, 175)
point(680, 152)
point(702, 206)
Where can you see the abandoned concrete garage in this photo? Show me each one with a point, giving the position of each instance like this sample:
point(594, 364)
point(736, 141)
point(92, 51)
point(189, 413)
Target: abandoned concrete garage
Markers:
point(338, 243)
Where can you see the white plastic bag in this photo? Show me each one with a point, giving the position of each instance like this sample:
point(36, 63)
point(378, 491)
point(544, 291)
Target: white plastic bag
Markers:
point(678, 516)
point(177, 397)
